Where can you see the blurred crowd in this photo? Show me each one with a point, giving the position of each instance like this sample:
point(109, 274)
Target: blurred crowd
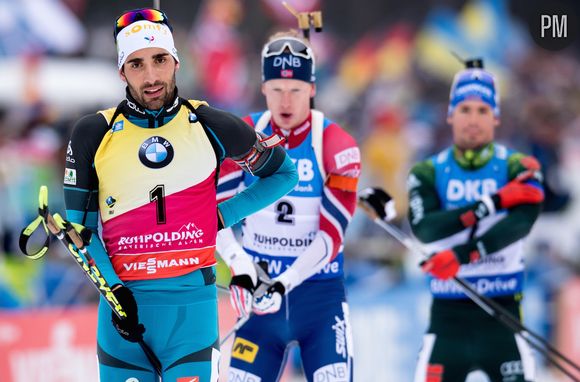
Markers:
point(386, 82)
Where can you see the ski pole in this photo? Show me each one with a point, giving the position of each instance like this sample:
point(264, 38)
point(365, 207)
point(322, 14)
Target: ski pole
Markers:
point(489, 306)
point(306, 20)
point(241, 322)
point(76, 242)
point(260, 291)
point(265, 283)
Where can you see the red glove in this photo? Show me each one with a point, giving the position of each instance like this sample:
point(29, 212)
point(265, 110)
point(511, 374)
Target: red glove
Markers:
point(516, 192)
point(442, 265)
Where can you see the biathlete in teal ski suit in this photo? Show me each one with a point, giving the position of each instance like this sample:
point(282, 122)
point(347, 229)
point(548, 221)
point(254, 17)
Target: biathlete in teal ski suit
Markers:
point(148, 170)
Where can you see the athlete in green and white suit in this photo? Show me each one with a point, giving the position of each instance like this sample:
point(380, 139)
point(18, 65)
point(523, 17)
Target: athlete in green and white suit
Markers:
point(472, 205)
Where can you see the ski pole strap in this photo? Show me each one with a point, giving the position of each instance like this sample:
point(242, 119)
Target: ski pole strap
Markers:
point(264, 280)
point(25, 236)
point(76, 238)
point(30, 228)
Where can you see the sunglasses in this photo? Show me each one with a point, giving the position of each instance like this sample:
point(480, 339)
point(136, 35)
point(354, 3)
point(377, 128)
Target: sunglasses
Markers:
point(148, 14)
point(294, 45)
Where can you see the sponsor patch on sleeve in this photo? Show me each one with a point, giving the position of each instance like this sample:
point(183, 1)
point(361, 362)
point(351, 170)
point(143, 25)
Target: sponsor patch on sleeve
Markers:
point(346, 157)
point(70, 176)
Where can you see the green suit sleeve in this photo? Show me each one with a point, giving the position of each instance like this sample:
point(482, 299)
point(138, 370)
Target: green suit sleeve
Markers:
point(519, 221)
point(512, 228)
point(428, 220)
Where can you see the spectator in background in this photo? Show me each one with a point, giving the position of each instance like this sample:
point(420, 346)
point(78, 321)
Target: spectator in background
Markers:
point(387, 153)
point(37, 27)
point(218, 53)
point(545, 124)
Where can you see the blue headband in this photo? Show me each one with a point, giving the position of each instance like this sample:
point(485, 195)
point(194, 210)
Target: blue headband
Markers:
point(288, 58)
point(474, 84)
point(287, 66)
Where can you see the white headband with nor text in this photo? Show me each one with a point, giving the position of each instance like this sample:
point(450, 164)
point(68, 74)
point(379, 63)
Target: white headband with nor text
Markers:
point(144, 34)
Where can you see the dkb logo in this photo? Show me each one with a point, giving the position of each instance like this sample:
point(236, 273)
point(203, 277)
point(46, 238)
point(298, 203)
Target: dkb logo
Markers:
point(470, 190)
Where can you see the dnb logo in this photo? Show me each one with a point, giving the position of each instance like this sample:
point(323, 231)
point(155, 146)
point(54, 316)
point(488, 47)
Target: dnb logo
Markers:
point(156, 152)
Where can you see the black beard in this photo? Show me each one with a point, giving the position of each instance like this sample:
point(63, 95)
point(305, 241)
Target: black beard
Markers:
point(159, 103)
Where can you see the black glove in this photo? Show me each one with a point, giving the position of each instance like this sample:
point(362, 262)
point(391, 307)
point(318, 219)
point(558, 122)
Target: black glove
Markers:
point(377, 202)
point(128, 327)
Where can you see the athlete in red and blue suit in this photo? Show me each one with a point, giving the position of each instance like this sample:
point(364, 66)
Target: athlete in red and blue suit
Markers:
point(300, 235)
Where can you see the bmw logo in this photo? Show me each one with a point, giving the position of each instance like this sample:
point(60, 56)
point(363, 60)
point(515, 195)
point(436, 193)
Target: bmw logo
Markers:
point(110, 202)
point(156, 152)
